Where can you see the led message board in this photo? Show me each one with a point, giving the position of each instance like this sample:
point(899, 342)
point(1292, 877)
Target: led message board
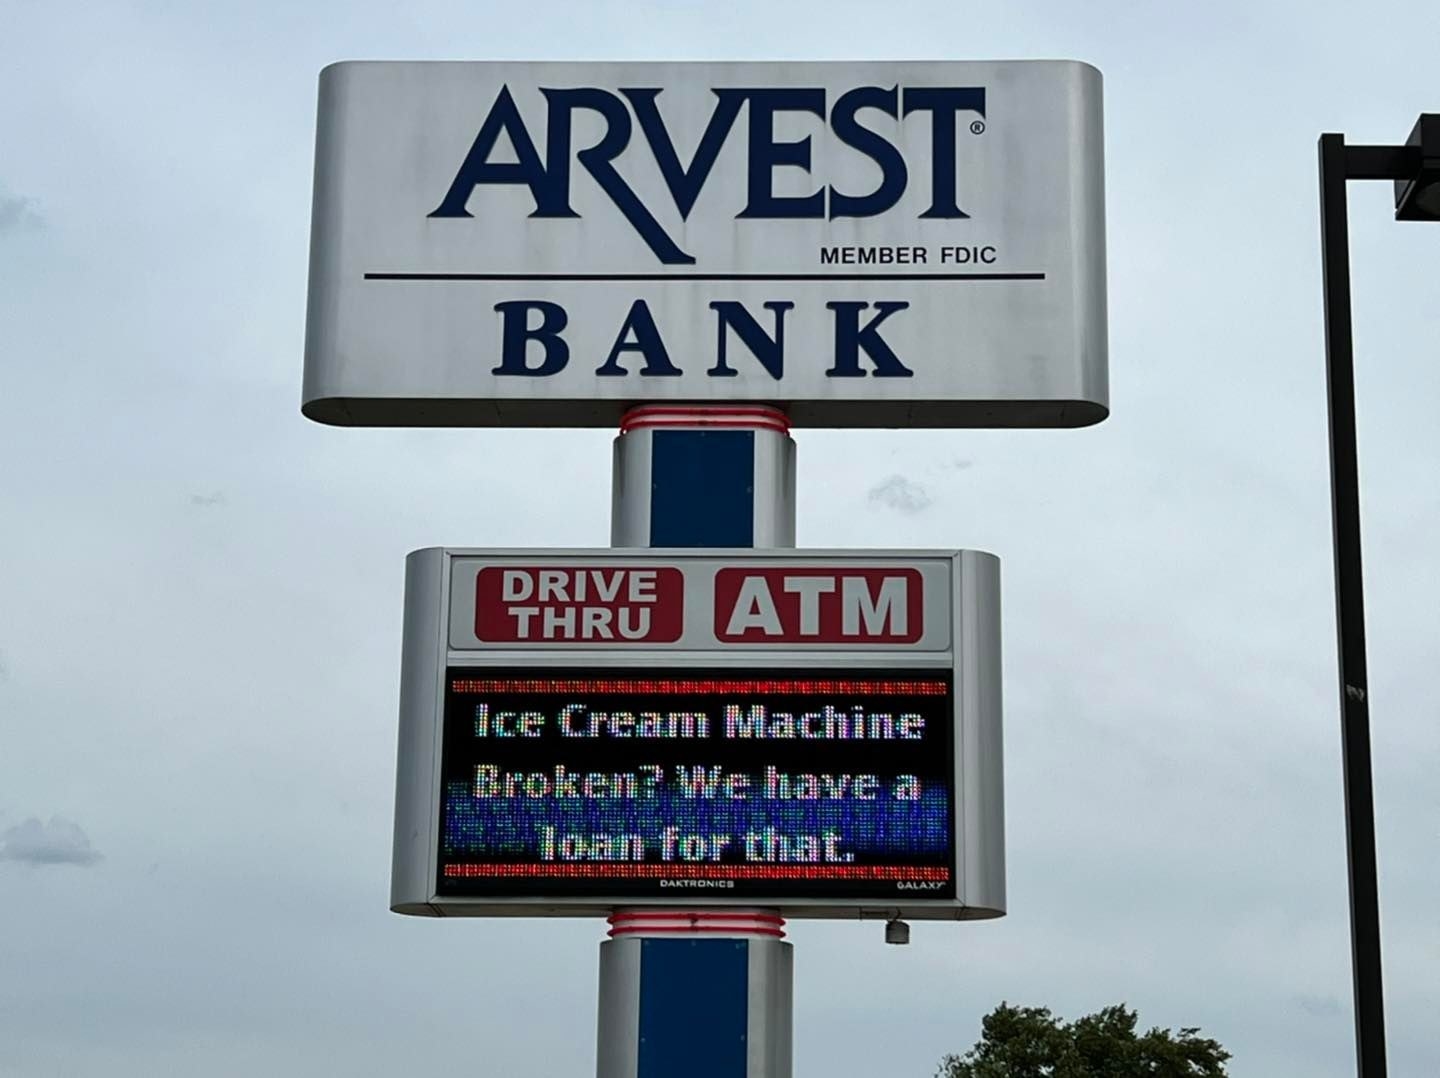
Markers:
point(813, 731)
point(635, 783)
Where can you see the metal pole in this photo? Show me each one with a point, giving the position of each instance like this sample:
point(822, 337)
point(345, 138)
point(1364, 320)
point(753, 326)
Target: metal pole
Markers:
point(1350, 614)
point(699, 992)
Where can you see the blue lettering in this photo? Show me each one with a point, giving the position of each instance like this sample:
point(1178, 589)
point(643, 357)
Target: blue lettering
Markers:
point(548, 181)
point(766, 154)
point(685, 184)
point(647, 342)
point(599, 162)
point(893, 174)
point(943, 103)
point(516, 335)
point(770, 351)
point(851, 339)
point(551, 200)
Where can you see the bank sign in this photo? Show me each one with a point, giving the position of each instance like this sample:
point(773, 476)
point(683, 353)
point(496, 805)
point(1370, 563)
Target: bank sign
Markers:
point(863, 244)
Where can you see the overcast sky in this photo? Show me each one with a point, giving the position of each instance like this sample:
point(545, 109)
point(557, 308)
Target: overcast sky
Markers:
point(200, 590)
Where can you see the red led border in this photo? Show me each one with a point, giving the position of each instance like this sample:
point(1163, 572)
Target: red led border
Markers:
point(700, 686)
point(743, 872)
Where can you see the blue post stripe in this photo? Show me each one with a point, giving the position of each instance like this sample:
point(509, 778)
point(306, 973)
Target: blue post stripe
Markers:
point(702, 488)
point(694, 1004)
point(694, 993)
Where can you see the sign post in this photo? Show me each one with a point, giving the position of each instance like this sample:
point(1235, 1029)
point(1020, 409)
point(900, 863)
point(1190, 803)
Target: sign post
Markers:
point(700, 477)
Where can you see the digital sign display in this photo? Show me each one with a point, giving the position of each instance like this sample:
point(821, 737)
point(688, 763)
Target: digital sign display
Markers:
point(754, 783)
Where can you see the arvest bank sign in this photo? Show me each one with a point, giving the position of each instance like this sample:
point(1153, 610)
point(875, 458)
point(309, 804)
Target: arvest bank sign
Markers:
point(864, 244)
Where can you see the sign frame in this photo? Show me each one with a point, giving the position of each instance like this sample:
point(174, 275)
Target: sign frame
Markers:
point(971, 655)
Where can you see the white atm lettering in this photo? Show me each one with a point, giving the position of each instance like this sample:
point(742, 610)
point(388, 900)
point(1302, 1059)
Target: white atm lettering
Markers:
point(810, 588)
point(818, 606)
point(754, 609)
point(884, 613)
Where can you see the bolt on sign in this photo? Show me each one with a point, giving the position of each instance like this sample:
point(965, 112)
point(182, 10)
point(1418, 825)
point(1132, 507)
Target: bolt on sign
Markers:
point(863, 244)
point(813, 730)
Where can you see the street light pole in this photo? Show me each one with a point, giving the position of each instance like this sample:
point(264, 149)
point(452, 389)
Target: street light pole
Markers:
point(1416, 169)
point(1350, 615)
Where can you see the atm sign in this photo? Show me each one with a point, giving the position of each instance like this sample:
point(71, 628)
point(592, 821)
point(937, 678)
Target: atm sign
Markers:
point(796, 605)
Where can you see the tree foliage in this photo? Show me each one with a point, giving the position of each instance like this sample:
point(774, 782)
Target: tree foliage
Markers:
point(1030, 1042)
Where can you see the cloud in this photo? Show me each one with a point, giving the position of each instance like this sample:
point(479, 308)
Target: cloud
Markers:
point(59, 842)
point(1320, 1006)
point(900, 494)
point(18, 214)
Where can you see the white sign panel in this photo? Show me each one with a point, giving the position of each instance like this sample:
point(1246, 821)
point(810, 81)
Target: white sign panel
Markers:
point(863, 244)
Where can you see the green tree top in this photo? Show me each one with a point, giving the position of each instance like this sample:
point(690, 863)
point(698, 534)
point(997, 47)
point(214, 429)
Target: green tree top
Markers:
point(1030, 1042)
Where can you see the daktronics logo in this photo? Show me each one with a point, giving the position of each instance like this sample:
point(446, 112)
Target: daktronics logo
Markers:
point(874, 121)
point(599, 603)
point(722, 885)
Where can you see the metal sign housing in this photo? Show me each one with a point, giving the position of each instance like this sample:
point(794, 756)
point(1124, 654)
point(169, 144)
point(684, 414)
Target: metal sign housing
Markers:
point(817, 731)
point(862, 244)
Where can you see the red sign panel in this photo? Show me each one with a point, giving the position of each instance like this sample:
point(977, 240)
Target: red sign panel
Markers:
point(566, 604)
point(818, 606)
